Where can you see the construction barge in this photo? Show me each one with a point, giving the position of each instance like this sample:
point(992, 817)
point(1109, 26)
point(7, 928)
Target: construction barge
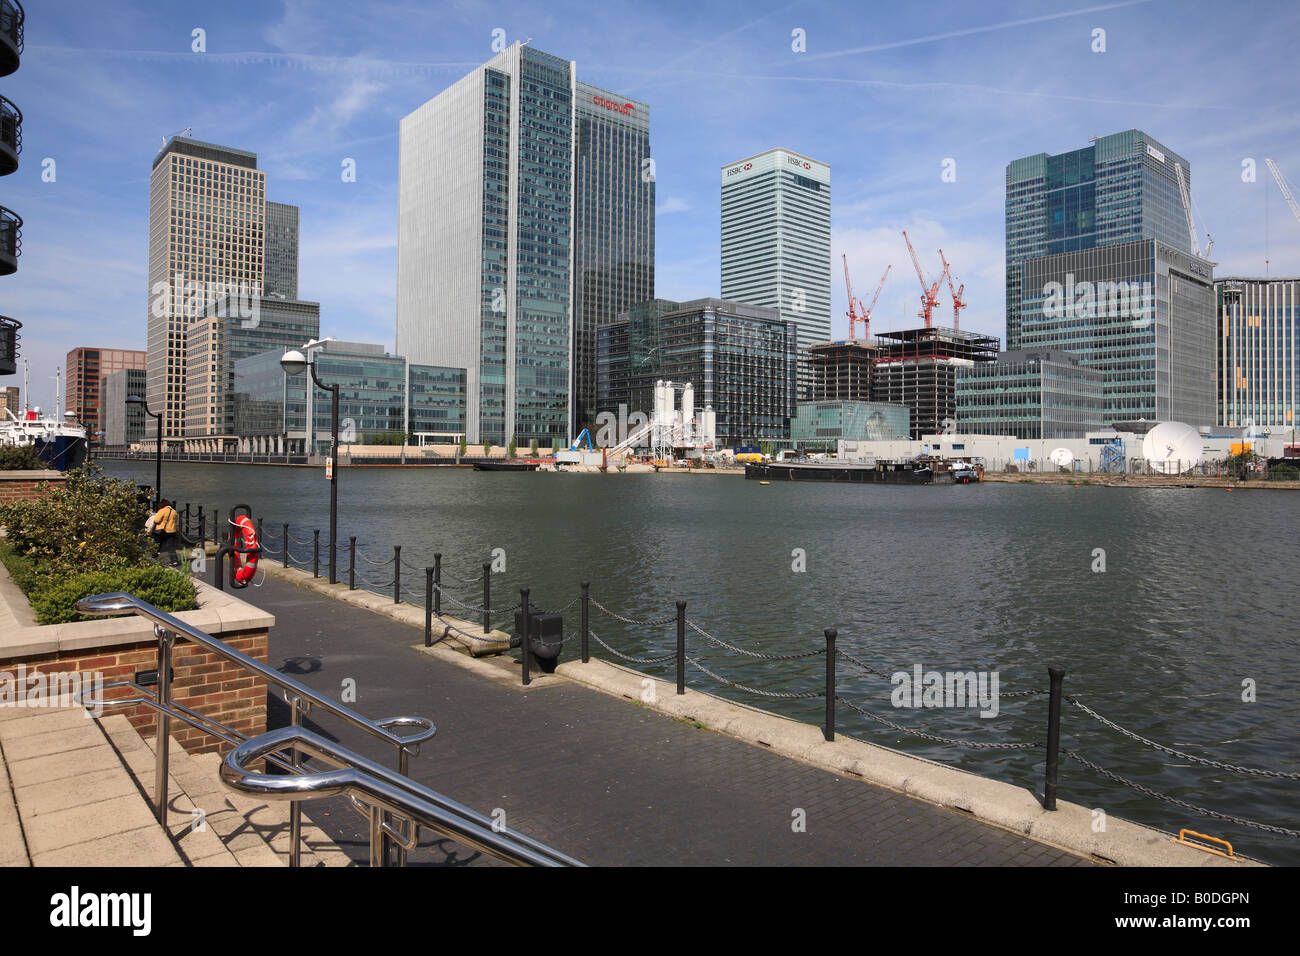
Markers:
point(917, 471)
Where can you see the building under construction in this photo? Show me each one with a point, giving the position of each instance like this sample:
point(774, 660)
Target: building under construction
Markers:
point(912, 367)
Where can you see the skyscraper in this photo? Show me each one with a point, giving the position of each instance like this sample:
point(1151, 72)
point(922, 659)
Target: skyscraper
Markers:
point(1259, 350)
point(776, 242)
point(524, 220)
point(281, 251)
point(207, 211)
point(1099, 263)
point(1122, 187)
point(613, 227)
point(86, 370)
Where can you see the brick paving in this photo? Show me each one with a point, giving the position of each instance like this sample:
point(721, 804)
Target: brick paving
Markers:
point(602, 779)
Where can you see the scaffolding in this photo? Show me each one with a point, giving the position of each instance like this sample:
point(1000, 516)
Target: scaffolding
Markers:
point(918, 368)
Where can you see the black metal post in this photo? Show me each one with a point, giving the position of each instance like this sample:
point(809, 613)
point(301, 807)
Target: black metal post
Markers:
point(829, 730)
point(334, 483)
point(157, 482)
point(586, 601)
point(284, 543)
point(1056, 676)
point(259, 532)
point(397, 574)
point(681, 647)
point(526, 644)
point(487, 597)
point(187, 517)
point(352, 563)
point(428, 607)
point(437, 583)
point(203, 528)
point(315, 553)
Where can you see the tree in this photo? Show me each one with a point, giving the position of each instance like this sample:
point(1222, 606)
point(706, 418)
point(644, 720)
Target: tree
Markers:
point(487, 446)
point(532, 448)
point(463, 446)
point(510, 449)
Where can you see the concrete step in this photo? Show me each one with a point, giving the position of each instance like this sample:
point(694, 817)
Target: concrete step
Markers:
point(214, 825)
point(75, 802)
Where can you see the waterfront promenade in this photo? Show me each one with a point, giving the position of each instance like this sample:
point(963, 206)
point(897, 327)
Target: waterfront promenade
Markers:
point(604, 779)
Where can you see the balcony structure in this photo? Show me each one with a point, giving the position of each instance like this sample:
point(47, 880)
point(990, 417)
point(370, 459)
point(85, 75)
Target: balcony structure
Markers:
point(11, 239)
point(11, 135)
point(12, 19)
point(9, 345)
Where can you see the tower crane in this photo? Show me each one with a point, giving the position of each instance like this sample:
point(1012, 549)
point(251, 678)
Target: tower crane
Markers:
point(853, 310)
point(1282, 185)
point(1186, 195)
point(866, 316)
point(958, 303)
point(929, 295)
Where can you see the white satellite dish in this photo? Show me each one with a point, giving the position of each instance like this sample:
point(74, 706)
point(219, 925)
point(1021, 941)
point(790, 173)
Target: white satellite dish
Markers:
point(1172, 447)
point(1063, 457)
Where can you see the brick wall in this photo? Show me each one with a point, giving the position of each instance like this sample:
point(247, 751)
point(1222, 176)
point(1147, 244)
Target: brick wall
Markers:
point(21, 486)
point(202, 681)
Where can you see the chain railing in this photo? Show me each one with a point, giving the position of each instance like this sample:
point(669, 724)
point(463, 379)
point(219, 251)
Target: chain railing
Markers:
point(439, 582)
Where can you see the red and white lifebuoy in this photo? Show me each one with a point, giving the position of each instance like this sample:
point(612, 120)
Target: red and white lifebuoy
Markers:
point(246, 555)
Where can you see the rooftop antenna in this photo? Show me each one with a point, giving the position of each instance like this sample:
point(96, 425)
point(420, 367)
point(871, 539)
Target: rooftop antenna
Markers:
point(526, 42)
point(185, 132)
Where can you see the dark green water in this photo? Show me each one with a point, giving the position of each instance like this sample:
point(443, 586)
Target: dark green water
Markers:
point(1199, 594)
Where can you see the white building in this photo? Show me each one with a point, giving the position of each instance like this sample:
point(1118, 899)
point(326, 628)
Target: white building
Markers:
point(525, 220)
point(776, 241)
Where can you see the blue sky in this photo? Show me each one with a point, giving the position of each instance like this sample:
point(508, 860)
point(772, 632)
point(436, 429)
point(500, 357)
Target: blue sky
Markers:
point(884, 93)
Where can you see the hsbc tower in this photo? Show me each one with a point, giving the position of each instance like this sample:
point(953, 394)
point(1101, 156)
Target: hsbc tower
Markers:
point(776, 241)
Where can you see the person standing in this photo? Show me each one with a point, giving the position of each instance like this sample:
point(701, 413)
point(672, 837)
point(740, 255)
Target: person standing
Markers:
point(163, 525)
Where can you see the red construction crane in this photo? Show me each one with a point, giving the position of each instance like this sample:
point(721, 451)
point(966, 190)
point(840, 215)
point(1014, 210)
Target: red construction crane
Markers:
point(930, 294)
point(853, 302)
point(958, 303)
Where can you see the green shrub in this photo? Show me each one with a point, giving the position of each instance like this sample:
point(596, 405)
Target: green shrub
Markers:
point(20, 458)
point(85, 523)
point(463, 446)
point(53, 597)
point(512, 447)
point(487, 446)
point(532, 448)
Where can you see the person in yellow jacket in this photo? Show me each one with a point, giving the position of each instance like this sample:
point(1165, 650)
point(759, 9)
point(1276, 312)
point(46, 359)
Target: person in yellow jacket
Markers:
point(163, 525)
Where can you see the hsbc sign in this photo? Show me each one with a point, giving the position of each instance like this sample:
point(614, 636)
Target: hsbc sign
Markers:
point(742, 168)
point(794, 161)
point(624, 108)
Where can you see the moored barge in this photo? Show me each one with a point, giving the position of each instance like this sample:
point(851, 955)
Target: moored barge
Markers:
point(917, 471)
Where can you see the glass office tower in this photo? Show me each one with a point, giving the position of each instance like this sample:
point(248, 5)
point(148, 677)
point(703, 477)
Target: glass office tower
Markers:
point(776, 242)
point(1121, 188)
point(523, 221)
point(1258, 335)
point(613, 226)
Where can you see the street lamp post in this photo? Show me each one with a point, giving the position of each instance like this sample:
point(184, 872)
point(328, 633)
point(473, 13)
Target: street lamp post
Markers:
point(157, 484)
point(295, 363)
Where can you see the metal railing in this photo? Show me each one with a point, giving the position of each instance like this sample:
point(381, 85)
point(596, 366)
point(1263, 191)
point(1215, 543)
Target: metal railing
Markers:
point(380, 790)
point(300, 698)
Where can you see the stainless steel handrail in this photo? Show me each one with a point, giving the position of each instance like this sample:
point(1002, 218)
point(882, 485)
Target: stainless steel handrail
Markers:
point(299, 696)
point(381, 788)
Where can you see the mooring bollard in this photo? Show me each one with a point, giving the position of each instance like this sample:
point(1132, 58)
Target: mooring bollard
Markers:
point(586, 600)
point(315, 553)
point(681, 647)
point(352, 563)
point(428, 607)
point(526, 644)
point(397, 574)
point(437, 583)
point(829, 730)
point(1056, 677)
point(487, 597)
point(284, 543)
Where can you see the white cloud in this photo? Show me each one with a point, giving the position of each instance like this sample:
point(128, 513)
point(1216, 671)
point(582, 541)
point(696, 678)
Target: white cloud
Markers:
point(674, 204)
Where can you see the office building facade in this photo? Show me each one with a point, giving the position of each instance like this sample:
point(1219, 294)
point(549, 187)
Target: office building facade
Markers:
point(1258, 335)
point(741, 359)
point(917, 368)
point(223, 335)
point(11, 400)
point(207, 213)
point(776, 241)
point(281, 262)
point(1142, 313)
point(524, 219)
point(378, 393)
point(124, 423)
point(1119, 189)
point(819, 426)
point(86, 369)
point(1030, 394)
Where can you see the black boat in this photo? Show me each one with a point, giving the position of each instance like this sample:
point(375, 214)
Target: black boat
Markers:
point(505, 466)
point(921, 471)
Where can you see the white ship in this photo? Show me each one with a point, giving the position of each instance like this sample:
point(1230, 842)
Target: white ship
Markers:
point(61, 445)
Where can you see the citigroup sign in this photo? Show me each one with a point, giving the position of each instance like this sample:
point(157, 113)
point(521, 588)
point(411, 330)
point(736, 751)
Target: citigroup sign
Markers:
point(624, 108)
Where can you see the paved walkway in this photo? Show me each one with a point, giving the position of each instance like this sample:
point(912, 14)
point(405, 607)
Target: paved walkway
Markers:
point(603, 779)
